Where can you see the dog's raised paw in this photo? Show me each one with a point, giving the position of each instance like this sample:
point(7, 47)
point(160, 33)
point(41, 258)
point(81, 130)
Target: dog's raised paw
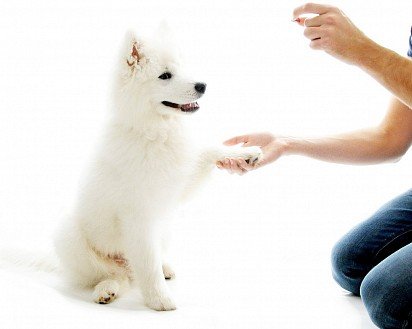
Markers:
point(251, 154)
point(252, 159)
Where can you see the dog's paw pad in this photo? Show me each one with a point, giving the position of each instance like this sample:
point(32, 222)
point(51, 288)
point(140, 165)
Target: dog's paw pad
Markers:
point(105, 297)
point(106, 291)
point(252, 157)
point(251, 154)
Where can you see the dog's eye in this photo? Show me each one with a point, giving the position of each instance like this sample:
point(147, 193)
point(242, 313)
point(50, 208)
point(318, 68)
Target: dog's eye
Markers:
point(165, 76)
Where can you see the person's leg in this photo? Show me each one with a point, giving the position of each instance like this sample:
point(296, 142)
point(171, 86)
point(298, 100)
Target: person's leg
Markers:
point(388, 230)
point(386, 291)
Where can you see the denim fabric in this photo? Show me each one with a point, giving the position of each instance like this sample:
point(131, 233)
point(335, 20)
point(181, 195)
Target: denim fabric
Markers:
point(410, 45)
point(374, 261)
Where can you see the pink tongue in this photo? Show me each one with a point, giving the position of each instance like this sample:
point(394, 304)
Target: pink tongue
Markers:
point(188, 106)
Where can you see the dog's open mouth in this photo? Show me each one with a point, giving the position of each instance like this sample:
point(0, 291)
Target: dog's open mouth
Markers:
point(190, 107)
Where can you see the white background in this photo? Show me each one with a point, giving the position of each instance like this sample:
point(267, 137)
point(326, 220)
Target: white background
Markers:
point(251, 251)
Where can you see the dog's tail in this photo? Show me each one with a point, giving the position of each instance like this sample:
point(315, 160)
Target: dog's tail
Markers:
point(26, 260)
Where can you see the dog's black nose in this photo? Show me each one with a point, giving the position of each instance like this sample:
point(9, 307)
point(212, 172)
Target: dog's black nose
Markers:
point(200, 87)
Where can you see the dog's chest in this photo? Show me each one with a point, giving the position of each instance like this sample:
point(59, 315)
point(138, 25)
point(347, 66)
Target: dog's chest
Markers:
point(141, 166)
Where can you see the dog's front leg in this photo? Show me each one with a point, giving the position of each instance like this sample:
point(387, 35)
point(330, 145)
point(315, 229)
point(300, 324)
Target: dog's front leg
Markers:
point(143, 250)
point(202, 167)
point(207, 161)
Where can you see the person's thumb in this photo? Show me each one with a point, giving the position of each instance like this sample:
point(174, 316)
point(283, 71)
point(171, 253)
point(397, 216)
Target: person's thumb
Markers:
point(300, 20)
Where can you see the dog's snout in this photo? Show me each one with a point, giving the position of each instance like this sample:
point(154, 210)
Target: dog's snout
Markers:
point(200, 87)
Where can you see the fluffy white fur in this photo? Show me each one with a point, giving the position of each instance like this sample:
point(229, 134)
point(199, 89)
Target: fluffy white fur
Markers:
point(143, 169)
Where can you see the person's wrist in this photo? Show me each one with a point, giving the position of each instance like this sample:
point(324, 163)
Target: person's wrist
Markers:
point(287, 145)
point(369, 54)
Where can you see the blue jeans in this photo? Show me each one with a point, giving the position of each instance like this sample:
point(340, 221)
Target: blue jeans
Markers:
point(374, 261)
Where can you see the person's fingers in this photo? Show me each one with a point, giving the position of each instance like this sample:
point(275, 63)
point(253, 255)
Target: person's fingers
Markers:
point(312, 33)
point(311, 8)
point(316, 44)
point(314, 21)
point(244, 165)
point(227, 165)
point(223, 164)
point(237, 140)
point(300, 20)
point(235, 167)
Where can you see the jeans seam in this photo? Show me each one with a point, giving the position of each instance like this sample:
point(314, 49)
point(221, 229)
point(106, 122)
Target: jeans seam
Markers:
point(408, 230)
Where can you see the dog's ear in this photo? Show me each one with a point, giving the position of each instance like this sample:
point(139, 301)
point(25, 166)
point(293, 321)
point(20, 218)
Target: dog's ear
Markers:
point(132, 52)
point(134, 56)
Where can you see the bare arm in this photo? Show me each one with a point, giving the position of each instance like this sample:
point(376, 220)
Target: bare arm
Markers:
point(386, 142)
point(391, 70)
point(333, 32)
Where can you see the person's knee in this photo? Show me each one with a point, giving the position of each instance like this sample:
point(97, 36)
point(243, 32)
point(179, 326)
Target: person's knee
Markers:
point(348, 269)
point(383, 301)
point(374, 301)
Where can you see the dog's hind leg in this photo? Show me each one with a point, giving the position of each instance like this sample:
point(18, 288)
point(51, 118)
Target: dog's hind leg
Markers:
point(79, 263)
point(84, 266)
point(107, 290)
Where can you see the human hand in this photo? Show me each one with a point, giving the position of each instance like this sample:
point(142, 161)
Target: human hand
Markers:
point(272, 148)
point(333, 32)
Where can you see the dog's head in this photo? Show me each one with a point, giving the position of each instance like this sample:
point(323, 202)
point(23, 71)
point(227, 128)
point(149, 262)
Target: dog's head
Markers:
point(152, 78)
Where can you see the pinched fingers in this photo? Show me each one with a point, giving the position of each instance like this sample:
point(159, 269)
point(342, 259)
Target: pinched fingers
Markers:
point(312, 8)
point(320, 28)
point(324, 15)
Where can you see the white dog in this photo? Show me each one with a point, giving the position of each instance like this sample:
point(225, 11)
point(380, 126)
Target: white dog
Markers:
point(143, 169)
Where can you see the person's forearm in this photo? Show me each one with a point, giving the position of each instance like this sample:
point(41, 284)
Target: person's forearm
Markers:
point(390, 69)
point(363, 147)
